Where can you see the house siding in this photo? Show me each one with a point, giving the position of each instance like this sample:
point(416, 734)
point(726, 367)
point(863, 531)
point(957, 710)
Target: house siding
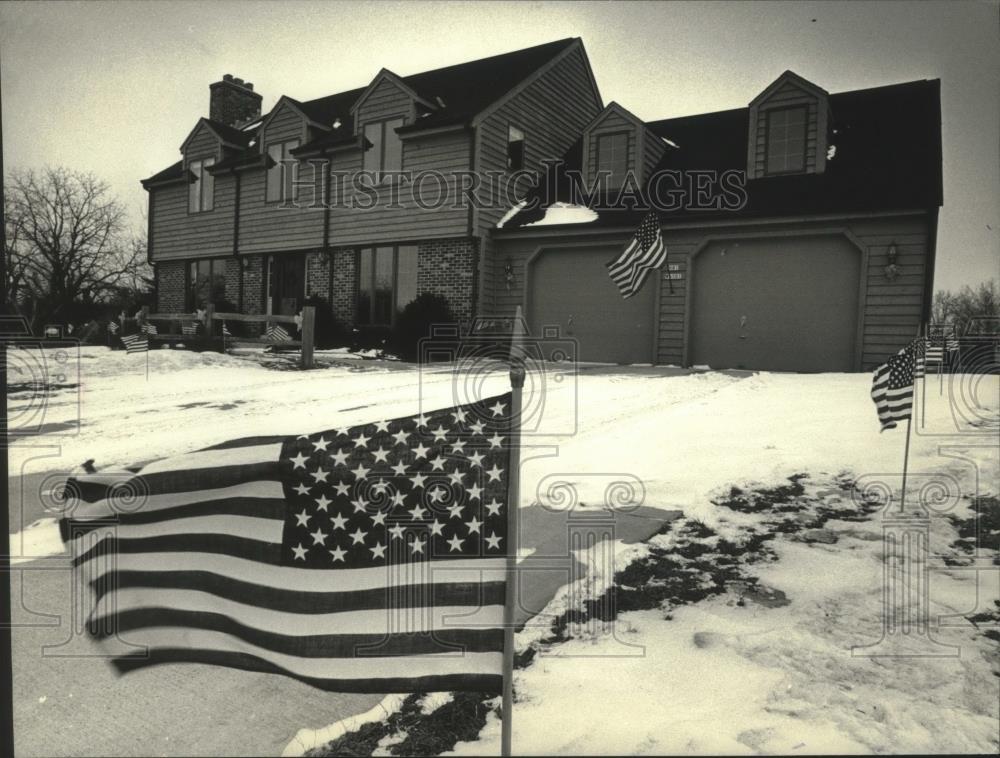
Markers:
point(273, 227)
point(397, 214)
point(552, 111)
point(891, 312)
point(386, 101)
point(202, 144)
point(180, 234)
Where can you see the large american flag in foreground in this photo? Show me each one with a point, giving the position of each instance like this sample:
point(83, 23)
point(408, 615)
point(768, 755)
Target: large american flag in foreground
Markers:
point(892, 384)
point(368, 558)
point(644, 253)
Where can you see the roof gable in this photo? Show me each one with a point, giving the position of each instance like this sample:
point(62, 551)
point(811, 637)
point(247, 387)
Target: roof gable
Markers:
point(385, 75)
point(614, 108)
point(222, 134)
point(290, 103)
point(789, 77)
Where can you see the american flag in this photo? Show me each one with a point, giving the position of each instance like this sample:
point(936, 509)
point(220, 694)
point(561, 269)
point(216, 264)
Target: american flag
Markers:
point(892, 385)
point(113, 327)
point(135, 343)
point(934, 349)
point(645, 252)
point(149, 329)
point(189, 329)
point(367, 558)
point(225, 330)
point(276, 333)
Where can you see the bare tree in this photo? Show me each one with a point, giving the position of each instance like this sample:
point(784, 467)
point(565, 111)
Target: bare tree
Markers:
point(66, 243)
point(968, 304)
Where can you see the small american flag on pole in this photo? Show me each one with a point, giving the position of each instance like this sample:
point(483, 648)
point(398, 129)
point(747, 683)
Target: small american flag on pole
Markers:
point(113, 327)
point(276, 333)
point(367, 558)
point(135, 343)
point(225, 330)
point(149, 329)
point(189, 330)
point(892, 385)
point(644, 253)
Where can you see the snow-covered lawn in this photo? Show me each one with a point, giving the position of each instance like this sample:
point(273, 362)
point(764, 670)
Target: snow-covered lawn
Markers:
point(762, 664)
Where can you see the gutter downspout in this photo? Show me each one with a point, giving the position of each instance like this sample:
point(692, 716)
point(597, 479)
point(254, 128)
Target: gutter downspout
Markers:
point(236, 236)
point(928, 308)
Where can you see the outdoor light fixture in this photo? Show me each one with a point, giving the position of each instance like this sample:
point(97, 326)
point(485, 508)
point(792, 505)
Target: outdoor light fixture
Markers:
point(892, 270)
point(508, 273)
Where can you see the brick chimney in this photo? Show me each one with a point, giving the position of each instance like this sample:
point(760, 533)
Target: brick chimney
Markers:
point(233, 101)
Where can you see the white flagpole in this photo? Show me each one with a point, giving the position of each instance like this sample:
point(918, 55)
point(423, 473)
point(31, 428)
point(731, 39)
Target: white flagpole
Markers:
point(517, 372)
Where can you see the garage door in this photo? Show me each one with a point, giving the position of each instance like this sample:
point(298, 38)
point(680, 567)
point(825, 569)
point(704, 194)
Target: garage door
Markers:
point(777, 305)
point(571, 289)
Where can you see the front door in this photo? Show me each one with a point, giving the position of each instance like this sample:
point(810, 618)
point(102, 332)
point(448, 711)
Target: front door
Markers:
point(287, 277)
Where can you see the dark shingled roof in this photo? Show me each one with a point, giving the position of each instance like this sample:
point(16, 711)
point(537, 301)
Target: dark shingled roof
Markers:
point(465, 89)
point(170, 173)
point(230, 134)
point(888, 157)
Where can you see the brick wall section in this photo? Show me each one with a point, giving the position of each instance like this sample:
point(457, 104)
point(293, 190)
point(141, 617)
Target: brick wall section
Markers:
point(253, 284)
point(170, 287)
point(342, 301)
point(233, 281)
point(447, 267)
point(318, 275)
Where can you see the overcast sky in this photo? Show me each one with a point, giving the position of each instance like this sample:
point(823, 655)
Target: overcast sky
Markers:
point(115, 87)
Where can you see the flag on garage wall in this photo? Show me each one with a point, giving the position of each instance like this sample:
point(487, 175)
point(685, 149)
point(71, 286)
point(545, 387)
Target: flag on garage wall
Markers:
point(368, 558)
point(645, 252)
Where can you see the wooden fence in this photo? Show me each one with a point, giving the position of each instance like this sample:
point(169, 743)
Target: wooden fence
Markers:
point(306, 322)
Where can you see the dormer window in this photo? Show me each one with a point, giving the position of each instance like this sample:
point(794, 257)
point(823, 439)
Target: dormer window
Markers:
point(201, 192)
point(515, 148)
point(386, 151)
point(786, 140)
point(612, 157)
point(283, 173)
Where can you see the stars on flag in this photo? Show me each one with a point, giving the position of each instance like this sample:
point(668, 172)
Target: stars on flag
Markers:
point(433, 484)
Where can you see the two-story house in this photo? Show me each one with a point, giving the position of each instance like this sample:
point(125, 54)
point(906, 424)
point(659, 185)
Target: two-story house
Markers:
point(801, 229)
point(823, 261)
point(262, 212)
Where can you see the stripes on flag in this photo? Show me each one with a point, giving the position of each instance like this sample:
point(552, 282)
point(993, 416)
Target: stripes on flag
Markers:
point(135, 343)
point(644, 253)
point(892, 385)
point(113, 327)
point(189, 330)
point(363, 559)
point(276, 333)
point(149, 329)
